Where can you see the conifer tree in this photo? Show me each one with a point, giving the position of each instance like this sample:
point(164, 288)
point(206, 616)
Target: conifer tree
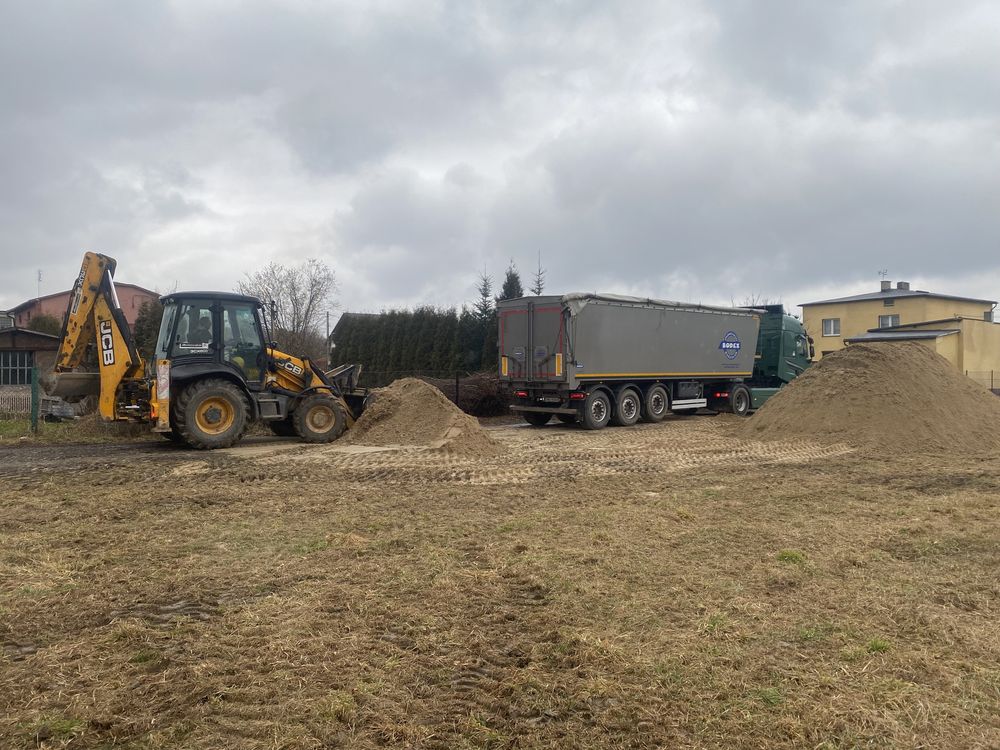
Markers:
point(538, 284)
point(511, 288)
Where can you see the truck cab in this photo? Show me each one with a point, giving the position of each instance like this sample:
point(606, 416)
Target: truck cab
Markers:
point(784, 351)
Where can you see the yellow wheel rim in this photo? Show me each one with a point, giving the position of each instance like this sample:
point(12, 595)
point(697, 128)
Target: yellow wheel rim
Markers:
point(215, 415)
point(321, 418)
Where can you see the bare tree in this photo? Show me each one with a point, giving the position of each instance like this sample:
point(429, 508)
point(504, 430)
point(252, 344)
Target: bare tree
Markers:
point(301, 297)
point(538, 285)
point(755, 300)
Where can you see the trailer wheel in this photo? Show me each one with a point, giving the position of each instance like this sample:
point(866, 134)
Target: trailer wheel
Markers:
point(628, 405)
point(655, 405)
point(596, 411)
point(211, 414)
point(537, 418)
point(319, 418)
point(567, 418)
point(740, 401)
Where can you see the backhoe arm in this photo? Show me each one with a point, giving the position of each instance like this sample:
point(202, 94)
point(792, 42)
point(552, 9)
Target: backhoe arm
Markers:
point(95, 316)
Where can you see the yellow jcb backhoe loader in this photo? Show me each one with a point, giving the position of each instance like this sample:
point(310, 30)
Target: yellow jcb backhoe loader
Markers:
point(213, 372)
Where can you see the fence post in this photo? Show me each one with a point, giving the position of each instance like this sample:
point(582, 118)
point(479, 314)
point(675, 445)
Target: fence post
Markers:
point(456, 388)
point(34, 400)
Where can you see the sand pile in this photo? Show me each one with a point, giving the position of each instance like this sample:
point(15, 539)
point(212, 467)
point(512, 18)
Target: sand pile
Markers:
point(893, 397)
point(411, 412)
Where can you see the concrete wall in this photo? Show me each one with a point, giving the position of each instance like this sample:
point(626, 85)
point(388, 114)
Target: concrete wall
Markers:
point(858, 317)
point(980, 346)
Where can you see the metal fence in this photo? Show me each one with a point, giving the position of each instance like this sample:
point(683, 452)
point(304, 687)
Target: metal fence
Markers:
point(988, 378)
point(15, 401)
point(480, 394)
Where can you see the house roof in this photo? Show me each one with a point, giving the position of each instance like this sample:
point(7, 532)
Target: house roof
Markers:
point(896, 294)
point(883, 335)
point(24, 338)
point(28, 303)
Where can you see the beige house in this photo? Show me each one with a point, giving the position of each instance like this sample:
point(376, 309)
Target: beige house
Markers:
point(831, 322)
point(961, 329)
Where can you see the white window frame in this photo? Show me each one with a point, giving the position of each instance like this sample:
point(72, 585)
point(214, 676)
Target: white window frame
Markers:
point(890, 317)
point(834, 326)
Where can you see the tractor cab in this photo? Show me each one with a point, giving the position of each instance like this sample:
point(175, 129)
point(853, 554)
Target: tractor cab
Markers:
point(203, 331)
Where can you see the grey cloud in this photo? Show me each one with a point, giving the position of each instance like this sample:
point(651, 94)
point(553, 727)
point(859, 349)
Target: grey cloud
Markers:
point(707, 149)
point(736, 206)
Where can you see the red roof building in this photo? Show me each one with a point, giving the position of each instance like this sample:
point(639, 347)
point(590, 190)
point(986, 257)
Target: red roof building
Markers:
point(130, 296)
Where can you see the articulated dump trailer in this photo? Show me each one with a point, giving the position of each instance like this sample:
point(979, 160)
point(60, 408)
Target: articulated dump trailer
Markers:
point(599, 359)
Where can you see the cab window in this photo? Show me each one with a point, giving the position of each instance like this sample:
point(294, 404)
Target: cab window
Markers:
point(166, 327)
point(241, 345)
point(194, 333)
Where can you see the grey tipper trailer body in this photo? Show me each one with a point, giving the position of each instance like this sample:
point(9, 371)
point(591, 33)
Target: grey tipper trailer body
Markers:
point(605, 358)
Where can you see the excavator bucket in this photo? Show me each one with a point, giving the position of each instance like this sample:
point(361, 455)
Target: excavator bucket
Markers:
point(72, 386)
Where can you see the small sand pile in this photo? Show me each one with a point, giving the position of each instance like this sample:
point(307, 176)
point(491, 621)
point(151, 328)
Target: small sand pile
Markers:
point(411, 412)
point(897, 397)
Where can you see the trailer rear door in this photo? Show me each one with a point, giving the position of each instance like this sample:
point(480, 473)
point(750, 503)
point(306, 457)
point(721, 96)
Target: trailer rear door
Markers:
point(532, 340)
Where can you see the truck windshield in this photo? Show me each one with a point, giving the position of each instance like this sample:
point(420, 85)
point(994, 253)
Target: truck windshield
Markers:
point(800, 346)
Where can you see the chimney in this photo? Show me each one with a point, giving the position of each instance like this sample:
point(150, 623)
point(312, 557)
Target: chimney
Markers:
point(903, 286)
point(886, 285)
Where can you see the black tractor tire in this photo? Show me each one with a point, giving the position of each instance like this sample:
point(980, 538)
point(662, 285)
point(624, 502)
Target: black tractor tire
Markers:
point(319, 418)
point(283, 427)
point(596, 411)
point(211, 414)
point(537, 418)
point(740, 401)
point(628, 406)
point(655, 404)
point(172, 436)
point(568, 418)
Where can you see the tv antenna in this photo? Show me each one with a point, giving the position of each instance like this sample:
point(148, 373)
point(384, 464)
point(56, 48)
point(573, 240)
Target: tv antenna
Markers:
point(883, 273)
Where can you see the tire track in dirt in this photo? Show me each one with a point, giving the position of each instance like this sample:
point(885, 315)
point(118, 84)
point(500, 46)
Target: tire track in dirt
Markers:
point(533, 455)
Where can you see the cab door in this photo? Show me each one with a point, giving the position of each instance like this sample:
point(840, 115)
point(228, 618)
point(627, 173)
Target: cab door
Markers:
point(242, 341)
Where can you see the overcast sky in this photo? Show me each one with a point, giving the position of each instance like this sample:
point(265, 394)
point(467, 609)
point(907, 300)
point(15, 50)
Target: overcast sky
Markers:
point(700, 151)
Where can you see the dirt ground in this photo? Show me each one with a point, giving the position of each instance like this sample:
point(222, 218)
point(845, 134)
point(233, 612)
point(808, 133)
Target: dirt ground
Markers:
point(666, 585)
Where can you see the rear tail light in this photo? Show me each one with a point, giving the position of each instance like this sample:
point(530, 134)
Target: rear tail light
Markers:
point(520, 394)
point(722, 395)
point(577, 396)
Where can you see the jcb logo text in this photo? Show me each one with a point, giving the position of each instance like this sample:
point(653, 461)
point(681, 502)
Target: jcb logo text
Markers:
point(107, 343)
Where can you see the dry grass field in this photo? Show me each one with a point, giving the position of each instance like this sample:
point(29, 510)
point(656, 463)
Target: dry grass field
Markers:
point(666, 585)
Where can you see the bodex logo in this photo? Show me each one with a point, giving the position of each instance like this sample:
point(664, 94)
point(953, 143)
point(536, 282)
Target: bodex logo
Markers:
point(107, 343)
point(730, 345)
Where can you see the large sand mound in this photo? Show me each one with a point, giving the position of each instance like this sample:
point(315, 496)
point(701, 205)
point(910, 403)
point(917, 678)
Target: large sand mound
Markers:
point(899, 397)
point(411, 412)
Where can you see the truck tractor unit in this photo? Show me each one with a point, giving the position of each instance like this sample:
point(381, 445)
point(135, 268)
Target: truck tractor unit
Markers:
point(607, 359)
point(213, 372)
